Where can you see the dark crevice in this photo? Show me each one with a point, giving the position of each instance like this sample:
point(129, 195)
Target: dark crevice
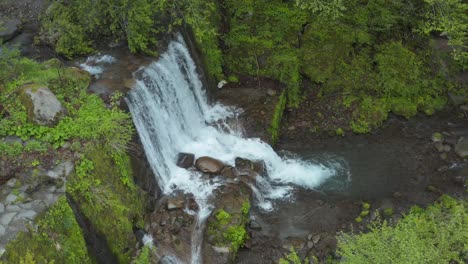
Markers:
point(98, 249)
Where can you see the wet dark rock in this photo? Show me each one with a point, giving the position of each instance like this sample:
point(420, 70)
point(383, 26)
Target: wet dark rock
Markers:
point(9, 27)
point(459, 180)
point(42, 105)
point(229, 172)
point(457, 100)
point(439, 146)
point(185, 160)
point(168, 260)
point(243, 165)
point(209, 165)
point(254, 225)
point(271, 92)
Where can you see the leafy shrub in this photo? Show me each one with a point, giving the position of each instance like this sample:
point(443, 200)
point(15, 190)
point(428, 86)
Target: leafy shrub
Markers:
point(437, 234)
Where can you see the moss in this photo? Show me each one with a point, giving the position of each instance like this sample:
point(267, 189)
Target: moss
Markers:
point(364, 213)
point(365, 206)
point(388, 211)
point(228, 229)
point(339, 132)
point(358, 219)
point(113, 207)
point(277, 117)
point(57, 238)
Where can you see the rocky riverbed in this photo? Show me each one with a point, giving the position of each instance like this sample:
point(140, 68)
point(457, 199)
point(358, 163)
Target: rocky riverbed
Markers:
point(402, 164)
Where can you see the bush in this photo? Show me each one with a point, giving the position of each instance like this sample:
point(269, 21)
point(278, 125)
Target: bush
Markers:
point(437, 234)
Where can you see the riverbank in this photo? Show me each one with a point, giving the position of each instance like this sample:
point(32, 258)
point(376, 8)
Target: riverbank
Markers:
point(396, 166)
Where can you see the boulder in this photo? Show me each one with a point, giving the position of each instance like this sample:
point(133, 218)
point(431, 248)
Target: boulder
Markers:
point(185, 160)
point(245, 165)
point(209, 165)
point(9, 27)
point(457, 100)
point(103, 88)
point(229, 172)
point(42, 105)
point(461, 148)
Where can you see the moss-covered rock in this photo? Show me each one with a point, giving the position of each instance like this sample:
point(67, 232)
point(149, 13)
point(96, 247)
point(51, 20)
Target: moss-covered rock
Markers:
point(42, 105)
point(226, 227)
point(57, 238)
point(110, 200)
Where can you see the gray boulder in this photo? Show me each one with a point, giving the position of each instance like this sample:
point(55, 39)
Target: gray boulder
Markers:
point(461, 148)
point(42, 105)
point(9, 27)
point(209, 165)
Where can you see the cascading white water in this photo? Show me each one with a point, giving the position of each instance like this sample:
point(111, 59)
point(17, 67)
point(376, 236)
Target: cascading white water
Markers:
point(172, 114)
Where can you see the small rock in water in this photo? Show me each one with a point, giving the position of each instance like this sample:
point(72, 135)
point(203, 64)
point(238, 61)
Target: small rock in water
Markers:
point(271, 92)
point(461, 148)
point(443, 156)
point(310, 244)
point(316, 239)
point(11, 183)
point(459, 180)
point(309, 237)
point(185, 160)
point(447, 148)
point(437, 137)
point(439, 146)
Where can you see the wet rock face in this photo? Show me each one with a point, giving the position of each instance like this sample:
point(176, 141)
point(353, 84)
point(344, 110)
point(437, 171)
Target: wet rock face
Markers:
point(209, 165)
point(42, 105)
point(171, 227)
point(185, 160)
point(9, 27)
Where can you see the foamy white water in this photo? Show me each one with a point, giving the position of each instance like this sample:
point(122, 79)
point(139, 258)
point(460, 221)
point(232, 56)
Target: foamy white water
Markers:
point(95, 64)
point(171, 112)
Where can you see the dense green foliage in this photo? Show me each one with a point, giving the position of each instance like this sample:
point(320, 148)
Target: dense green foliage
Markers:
point(57, 238)
point(375, 54)
point(437, 234)
point(450, 17)
point(73, 27)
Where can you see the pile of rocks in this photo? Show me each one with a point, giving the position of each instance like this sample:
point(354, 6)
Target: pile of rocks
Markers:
point(27, 195)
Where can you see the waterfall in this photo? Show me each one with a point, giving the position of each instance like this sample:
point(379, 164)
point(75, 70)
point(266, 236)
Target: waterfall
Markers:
point(171, 112)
